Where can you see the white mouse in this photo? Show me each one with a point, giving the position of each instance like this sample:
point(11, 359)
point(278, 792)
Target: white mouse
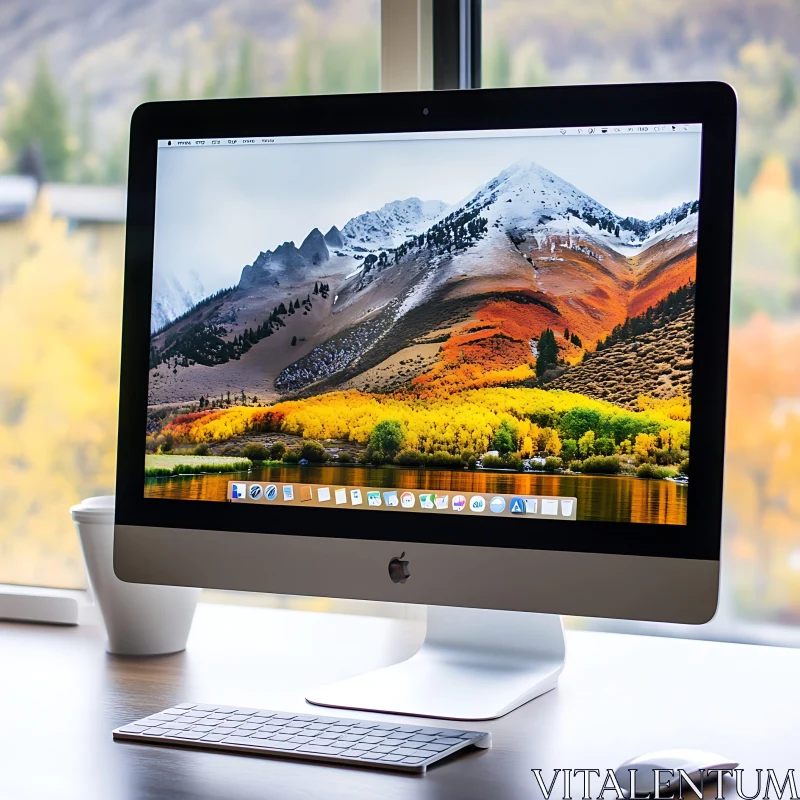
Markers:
point(693, 762)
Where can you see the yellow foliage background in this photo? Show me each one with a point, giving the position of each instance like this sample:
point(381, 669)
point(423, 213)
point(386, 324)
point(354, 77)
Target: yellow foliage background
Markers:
point(60, 310)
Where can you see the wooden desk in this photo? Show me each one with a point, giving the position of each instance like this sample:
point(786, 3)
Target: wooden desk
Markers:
point(619, 696)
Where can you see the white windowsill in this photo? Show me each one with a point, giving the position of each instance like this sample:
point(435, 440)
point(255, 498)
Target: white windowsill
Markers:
point(52, 606)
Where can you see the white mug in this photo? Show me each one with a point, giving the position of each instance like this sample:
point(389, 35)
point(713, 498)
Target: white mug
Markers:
point(140, 619)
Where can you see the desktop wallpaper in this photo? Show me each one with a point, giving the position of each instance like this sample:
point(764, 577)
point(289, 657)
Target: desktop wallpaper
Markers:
point(506, 315)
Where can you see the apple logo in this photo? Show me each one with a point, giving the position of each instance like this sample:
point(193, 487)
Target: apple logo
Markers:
point(398, 569)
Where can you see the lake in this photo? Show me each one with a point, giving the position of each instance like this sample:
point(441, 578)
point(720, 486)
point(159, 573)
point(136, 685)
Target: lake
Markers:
point(600, 497)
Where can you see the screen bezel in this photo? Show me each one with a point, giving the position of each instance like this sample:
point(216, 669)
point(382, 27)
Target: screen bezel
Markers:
point(713, 105)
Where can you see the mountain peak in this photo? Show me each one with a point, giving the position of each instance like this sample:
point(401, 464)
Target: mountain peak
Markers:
point(333, 238)
point(314, 248)
point(391, 224)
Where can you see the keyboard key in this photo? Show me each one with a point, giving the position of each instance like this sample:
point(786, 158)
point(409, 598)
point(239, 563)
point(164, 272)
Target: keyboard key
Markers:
point(248, 726)
point(196, 714)
point(213, 737)
point(261, 743)
point(282, 716)
point(449, 741)
point(319, 750)
point(386, 727)
point(358, 731)
point(203, 728)
point(238, 718)
point(176, 726)
point(346, 737)
point(206, 708)
point(316, 726)
point(280, 737)
point(405, 751)
point(423, 739)
point(260, 735)
point(411, 761)
point(226, 710)
point(438, 748)
point(352, 753)
point(329, 735)
point(372, 739)
point(372, 756)
point(392, 758)
point(362, 746)
point(408, 729)
point(425, 753)
point(303, 718)
point(339, 728)
point(383, 748)
point(190, 734)
point(302, 739)
point(133, 729)
point(156, 731)
point(176, 712)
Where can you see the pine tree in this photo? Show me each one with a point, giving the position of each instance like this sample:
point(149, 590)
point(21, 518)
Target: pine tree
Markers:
point(547, 357)
point(566, 334)
point(294, 341)
point(316, 288)
point(42, 123)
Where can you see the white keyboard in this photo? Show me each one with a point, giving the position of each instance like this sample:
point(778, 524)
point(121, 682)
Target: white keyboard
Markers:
point(411, 748)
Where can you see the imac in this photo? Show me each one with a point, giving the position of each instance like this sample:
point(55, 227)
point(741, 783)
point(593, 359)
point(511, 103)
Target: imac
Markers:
point(460, 349)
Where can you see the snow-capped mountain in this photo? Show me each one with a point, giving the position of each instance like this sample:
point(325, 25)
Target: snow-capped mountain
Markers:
point(392, 224)
point(524, 200)
point(526, 196)
point(171, 298)
point(372, 231)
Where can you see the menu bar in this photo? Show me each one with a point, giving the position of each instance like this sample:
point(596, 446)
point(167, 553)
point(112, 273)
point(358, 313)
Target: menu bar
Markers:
point(368, 498)
point(590, 130)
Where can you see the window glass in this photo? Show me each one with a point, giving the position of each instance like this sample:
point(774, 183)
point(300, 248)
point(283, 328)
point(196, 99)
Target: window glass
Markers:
point(756, 48)
point(71, 73)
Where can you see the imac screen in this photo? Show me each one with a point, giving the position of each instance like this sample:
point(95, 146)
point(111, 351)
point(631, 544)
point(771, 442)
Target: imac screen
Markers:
point(468, 322)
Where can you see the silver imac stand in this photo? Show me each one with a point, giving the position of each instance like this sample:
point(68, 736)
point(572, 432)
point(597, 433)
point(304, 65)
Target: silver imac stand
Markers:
point(474, 664)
